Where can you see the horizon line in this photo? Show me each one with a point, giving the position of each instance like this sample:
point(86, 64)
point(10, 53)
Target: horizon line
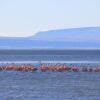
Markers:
point(5, 36)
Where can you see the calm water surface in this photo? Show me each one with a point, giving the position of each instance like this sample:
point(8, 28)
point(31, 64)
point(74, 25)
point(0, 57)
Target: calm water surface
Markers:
point(50, 85)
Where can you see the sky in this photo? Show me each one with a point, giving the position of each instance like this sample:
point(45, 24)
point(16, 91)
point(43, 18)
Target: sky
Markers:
point(22, 18)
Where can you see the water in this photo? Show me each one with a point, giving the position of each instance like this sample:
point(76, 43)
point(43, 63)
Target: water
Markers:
point(47, 55)
point(50, 85)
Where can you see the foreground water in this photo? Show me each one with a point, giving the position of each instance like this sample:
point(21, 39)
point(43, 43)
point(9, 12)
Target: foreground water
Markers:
point(49, 86)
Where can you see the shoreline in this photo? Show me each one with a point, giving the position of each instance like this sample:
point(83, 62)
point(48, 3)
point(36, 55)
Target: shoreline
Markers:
point(67, 62)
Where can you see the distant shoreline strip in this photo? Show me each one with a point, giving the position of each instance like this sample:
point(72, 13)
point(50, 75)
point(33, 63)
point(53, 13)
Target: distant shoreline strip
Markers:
point(6, 62)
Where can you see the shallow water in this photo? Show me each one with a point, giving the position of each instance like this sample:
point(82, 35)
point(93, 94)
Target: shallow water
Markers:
point(49, 86)
point(47, 55)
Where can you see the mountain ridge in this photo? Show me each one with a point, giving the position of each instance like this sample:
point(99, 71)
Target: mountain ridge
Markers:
point(69, 34)
point(55, 39)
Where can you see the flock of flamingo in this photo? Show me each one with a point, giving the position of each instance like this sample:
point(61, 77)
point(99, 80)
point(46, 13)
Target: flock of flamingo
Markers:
point(45, 68)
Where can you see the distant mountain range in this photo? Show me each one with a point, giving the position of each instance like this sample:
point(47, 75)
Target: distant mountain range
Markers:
point(75, 38)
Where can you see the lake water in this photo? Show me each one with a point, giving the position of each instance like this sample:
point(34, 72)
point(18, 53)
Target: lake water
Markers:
point(49, 55)
point(50, 85)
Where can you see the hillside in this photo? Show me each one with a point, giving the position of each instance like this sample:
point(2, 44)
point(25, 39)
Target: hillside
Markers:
point(81, 38)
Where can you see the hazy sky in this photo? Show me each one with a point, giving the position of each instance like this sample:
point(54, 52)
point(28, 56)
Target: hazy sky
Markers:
point(25, 17)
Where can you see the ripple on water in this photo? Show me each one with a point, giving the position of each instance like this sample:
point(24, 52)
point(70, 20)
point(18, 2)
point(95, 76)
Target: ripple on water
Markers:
point(49, 86)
